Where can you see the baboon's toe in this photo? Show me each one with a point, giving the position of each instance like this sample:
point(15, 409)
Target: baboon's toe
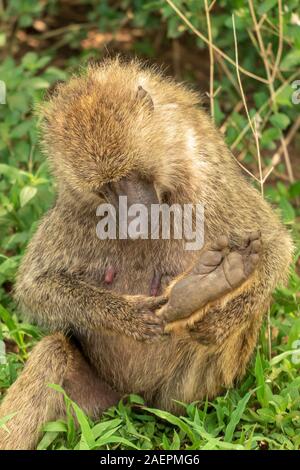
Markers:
point(211, 256)
point(255, 246)
point(253, 242)
point(250, 263)
point(239, 265)
point(233, 267)
point(255, 235)
point(251, 254)
point(221, 243)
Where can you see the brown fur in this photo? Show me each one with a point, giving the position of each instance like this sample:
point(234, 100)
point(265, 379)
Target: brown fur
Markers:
point(95, 131)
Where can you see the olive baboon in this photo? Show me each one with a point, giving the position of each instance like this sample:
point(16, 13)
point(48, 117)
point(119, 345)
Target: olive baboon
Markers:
point(144, 316)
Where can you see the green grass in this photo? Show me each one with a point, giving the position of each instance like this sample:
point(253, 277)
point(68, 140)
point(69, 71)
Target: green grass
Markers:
point(263, 411)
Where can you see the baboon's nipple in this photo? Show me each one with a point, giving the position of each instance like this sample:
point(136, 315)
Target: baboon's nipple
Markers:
point(110, 273)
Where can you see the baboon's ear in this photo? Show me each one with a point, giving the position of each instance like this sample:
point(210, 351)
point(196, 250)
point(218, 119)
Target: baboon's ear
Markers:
point(142, 94)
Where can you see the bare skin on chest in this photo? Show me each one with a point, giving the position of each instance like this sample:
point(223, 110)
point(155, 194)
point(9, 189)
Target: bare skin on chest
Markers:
point(150, 273)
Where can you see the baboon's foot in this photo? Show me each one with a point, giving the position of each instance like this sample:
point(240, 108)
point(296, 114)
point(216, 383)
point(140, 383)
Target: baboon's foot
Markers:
point(218, 271)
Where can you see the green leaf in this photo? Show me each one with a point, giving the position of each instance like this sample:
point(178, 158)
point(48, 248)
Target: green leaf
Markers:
point(27, 193)
point(21, 129)
point(265, 6)
point(176, 442)
point(280, 120)
point(260, 98)
point(236, 417)
point(56, 426)
point(8, 268)
point(25, 20)
point(29, 60)
point(38, 83)
point(267, 415)
point(291, 60)
point(260, 381)
point(7, 319)
point(87, 435)
point(173, 420)
point(294, 334)
point(284, 97)
point(11, 172)
point(47, 440)
point(103, 427)
point(54, 73)
point(269, 137)
point(165, 442)
point(287, 210)
point(136, 399)
point(105, 440)
point(280, 357)
point(294, 190)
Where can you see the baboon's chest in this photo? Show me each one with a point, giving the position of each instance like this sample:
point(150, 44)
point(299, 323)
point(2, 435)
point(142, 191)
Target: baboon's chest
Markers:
point(140, 270)
point(140, 275)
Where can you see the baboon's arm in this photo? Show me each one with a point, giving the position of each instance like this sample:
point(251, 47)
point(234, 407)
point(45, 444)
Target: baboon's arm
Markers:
point(60, 302)
point(52, 293)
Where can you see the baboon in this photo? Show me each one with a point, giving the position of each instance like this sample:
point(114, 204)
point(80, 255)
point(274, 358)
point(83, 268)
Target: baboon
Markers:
point(139, 316)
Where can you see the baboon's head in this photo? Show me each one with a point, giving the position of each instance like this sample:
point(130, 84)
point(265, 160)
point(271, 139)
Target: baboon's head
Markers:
point(123, 128)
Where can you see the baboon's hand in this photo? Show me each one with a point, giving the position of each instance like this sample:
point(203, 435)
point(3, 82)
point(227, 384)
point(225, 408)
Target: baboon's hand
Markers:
point(144, 324)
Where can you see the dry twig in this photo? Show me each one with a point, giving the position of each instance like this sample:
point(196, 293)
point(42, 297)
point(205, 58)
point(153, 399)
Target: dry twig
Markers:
point(271, 76)
point(211, 61)
point(215, 48)
point(253, 124)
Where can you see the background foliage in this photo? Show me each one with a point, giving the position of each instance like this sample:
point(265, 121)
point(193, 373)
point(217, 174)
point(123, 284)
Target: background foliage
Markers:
point(45, 41)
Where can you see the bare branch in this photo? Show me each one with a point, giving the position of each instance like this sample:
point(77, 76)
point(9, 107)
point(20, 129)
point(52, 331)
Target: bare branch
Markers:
point(215, 48)
point(211, 62)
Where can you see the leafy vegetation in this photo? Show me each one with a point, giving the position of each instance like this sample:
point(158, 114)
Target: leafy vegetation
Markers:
point(42, 42)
